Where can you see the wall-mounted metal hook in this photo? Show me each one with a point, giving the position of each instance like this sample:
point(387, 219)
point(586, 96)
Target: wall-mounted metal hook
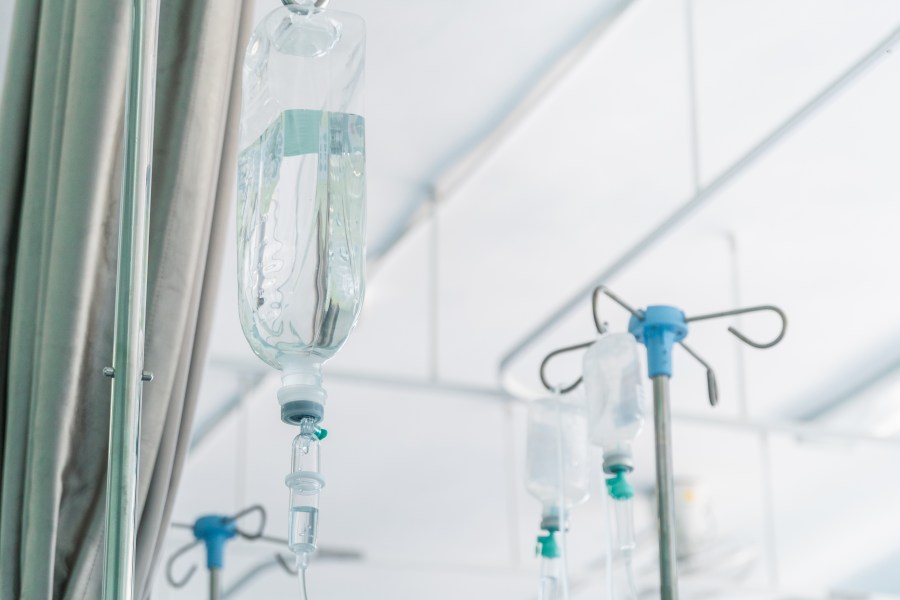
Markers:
point(741, 311)
point(712, 386)
point(543, 371)
point(178, 582)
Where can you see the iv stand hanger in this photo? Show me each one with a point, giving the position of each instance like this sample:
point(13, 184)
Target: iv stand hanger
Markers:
point(659, 328)
point(214, 531)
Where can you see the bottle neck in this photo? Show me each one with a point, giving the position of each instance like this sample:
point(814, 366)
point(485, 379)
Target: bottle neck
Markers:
point(301, 371)
point(301, 395)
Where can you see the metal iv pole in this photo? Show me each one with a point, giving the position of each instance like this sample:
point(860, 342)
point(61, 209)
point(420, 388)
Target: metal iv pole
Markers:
point(659, 329)
point(127, 369)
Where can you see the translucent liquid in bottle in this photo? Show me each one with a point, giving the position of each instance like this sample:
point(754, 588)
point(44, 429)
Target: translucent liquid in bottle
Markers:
point(301, 203)
point(304, 520)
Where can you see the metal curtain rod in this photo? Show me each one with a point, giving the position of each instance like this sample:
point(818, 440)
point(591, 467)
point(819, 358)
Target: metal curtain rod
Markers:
point(127, 370)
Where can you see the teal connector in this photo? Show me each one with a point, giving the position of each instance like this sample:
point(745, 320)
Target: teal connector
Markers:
point(321, 433)
point(547, 545)
point(619, 488)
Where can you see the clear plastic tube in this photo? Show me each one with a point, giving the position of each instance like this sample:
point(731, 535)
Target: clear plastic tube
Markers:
point(610, 584)
point(620, 546)
point(550, 572)
point(624, 512)
point(625, 535)
point(563, 523)
point(302, 562)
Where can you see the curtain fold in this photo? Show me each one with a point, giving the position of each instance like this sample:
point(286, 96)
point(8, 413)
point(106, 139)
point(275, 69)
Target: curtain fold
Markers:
point(60, 184)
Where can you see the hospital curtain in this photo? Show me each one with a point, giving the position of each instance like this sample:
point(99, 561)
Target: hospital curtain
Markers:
point(60, 184)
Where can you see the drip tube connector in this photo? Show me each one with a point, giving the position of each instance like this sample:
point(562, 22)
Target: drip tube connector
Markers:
point(294, 412)
point(619, 487)
point(547, 545)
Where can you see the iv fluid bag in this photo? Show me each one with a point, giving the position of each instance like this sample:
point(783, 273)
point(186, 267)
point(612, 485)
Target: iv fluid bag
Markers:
point(302, 185)
point(613, 384)
point(554, 424)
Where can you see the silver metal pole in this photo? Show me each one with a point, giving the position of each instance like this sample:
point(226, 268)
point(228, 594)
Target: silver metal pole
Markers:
point(131, 296)
point(215, 591)
point(665, 485)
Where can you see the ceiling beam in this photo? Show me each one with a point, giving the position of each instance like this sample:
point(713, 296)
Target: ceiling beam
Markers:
point(677, 218)
point(860, 376)
point(460, 171)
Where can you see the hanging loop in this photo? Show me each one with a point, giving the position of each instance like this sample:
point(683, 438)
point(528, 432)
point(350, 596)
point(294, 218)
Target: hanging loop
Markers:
point(178, 582)
point(257, 508)
point(558, 389)
point(318, 3)
point(741, 311)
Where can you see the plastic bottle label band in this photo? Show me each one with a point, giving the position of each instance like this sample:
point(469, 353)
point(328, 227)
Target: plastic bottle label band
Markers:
point(305, 131)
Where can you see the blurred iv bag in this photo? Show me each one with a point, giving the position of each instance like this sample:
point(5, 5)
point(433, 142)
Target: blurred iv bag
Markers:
point(302, 195)
point(613, 384)
point(556, 453)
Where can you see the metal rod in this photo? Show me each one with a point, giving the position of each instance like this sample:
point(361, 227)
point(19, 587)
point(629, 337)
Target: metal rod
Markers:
point(131, 297)
point(665, 485)
point(215, 591)
point(685, 210)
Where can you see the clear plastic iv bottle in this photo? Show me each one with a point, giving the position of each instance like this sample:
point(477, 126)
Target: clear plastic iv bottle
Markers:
point(556, 463)
point(302, 195)
point(613, 384)
point(557, 439)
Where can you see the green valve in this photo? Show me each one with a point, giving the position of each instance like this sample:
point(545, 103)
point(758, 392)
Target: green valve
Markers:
point(547, 545)
point(619, 488)
point(321, 433)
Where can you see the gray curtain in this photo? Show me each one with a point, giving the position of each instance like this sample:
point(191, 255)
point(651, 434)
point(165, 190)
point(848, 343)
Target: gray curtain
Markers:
point(60, 180)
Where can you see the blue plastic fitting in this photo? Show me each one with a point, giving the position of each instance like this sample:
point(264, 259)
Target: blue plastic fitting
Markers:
point(660, 329)
point(214, 531)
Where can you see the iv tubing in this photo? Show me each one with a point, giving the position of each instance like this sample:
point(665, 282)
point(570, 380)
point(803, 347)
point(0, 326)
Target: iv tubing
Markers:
point(302, 563)
point(563, 560)
point(609, 545)
point(625, 551)
point(624, 510)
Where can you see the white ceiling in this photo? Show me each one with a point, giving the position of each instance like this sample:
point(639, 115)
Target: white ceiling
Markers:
point(425, 479)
